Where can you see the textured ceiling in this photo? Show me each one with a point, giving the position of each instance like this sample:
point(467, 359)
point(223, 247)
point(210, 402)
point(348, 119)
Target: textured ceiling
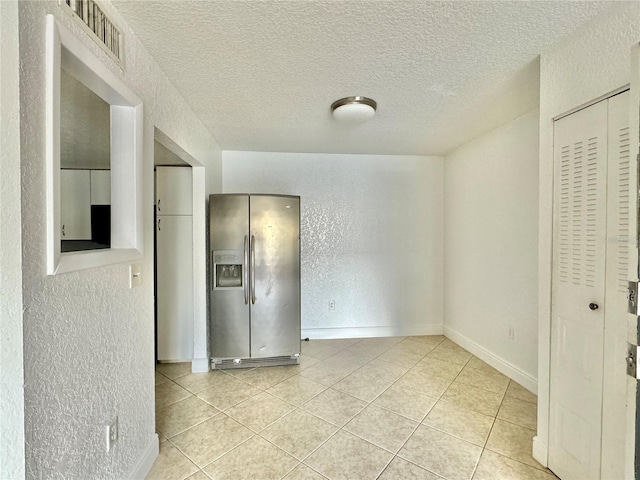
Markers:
point(262, 74)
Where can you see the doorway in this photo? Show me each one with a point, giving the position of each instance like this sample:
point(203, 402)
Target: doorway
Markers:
point(168, 154)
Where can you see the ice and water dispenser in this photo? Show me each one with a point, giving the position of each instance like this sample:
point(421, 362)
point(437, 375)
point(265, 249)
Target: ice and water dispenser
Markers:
point(227, 269)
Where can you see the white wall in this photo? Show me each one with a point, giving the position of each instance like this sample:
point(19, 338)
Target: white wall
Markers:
point(593, 61)
point(490, 233)
point(88, 338)
point(371, 230)
point(12, 460)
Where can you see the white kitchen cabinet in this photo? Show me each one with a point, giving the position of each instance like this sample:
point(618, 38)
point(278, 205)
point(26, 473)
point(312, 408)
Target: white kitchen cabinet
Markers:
point(174, 190)
point(174, 276)
point(75, 204)
point(100, 187)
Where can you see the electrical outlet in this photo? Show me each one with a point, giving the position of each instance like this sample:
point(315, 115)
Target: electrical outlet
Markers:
point(112, 434)
point(512, 333)
point(332, 304)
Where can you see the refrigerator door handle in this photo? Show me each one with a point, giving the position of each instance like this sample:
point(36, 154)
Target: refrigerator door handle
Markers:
point(253, 269)
point(246, 275)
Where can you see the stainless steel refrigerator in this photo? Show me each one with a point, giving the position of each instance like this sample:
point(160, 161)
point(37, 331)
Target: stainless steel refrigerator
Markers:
point(255, 280)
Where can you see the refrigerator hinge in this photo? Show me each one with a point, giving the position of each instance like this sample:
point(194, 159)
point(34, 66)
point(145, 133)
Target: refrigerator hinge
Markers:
point(632, 360)
point(632, 298)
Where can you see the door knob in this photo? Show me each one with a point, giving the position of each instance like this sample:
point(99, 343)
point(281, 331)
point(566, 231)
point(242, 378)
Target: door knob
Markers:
point(593, 306)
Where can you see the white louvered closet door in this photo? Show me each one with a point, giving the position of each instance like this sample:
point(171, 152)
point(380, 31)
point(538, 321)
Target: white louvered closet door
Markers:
point(588, 278)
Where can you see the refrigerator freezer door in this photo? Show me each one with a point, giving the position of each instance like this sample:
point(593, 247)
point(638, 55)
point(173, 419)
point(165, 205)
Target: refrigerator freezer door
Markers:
point(229, 225)
point(275, 313)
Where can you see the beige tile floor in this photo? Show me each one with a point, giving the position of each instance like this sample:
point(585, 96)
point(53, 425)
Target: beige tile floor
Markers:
point(376, 408)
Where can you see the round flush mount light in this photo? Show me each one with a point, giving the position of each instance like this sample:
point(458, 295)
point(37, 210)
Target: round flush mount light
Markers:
point(354, 109)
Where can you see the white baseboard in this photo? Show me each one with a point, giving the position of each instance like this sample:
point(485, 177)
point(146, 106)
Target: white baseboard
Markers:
point(500, 364)
point(368, 332)
point(145, 462)
point(200, 365)
point(540, 451)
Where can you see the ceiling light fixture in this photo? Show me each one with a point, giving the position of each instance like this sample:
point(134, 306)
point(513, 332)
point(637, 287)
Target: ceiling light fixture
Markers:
point(353, 109)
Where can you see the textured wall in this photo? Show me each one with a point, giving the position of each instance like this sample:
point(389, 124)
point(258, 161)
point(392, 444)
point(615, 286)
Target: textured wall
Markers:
point(88, 338)
point(371, 230)
point(11, 367)
point(592, 62)
point(491, 222)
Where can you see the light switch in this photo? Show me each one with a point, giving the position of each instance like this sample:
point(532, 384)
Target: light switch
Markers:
point(135, 275)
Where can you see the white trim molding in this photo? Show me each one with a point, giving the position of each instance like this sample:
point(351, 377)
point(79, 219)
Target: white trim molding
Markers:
point(145, 462)
point(368, 332)
point(504, 367)
point(200, 365)
point(540, 451)
point(63, 49)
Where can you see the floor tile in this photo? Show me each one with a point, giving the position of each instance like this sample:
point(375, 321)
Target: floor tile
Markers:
point(265, 377)
point(383, 370)
point(512, 441)
point(348, 359)
point(259, 411)
point(173, 370)
point(415, 346)
point(494, 466)
point(335, 407)
point(408, 403)
point(399, 468)
point(478, 364)
point(161, 437)
point(472, 398)
point(519, 412)
point(368, 350)
point(363, 386)
point(303, 472)
point(460, 356)
point(438, 368)
point(434, 340)
point(494, 382)
point(423, 383)
point(468, 425)
point(327, 374)
point(307, 361)
point(211, 439)
point(160, 379)
point(297, 390)
point(347, 457)
point(168, 393)
point(228, 394)
point(199, 475)
point(171, 465)
point(516, 390)
point(299, 433)
point(256, 458)
point(178, 417)
point(399, 356)
point(440, 453)
point(196, 382)
point(382, 427)
point(340, 343)
point(318, 350)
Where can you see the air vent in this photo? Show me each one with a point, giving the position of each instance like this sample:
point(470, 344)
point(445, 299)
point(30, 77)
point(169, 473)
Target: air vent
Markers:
point(98, 26)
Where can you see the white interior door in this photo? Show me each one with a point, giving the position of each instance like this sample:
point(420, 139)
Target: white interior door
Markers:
point(174, 244)
point(589, 286)
point(580, 157)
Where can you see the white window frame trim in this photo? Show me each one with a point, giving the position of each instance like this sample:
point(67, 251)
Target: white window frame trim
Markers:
point(126, 154)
